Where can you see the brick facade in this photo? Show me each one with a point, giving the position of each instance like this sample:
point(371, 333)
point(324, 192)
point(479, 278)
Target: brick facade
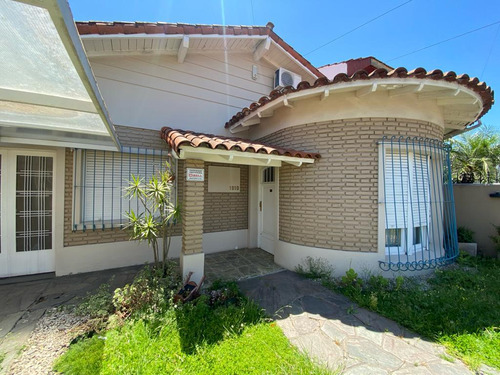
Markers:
point(192, 211)
point(223, 211)
point(226, 211)
point(137, 137)
point(333, 203)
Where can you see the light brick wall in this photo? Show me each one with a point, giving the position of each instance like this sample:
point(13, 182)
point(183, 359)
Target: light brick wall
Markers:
point(223, 211)
point(226, 211)
point(333, 203)
point(137, 137)
point(192, 211)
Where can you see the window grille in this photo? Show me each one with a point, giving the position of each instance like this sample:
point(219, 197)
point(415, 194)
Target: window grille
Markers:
point(268, 175)
point(417, 202)
point(100, 180)
point(34, 175)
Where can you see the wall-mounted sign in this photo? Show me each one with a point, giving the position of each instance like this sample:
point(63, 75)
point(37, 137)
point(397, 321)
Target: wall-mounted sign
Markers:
point(195, 174)
point(223, 179)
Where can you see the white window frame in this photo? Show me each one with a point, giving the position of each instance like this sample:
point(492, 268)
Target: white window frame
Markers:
point(407, 226)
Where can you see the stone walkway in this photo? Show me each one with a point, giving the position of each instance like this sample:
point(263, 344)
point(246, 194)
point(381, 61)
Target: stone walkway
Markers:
point(239, 264)
point(333, 330)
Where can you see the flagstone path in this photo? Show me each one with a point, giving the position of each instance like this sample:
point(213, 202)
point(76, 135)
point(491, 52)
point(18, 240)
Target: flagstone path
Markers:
point(334, 331)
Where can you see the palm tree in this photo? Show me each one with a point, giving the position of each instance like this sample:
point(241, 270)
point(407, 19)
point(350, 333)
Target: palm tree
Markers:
point(476, 157)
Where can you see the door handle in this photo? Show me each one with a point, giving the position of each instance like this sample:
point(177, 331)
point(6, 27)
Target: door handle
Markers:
point(260, 205)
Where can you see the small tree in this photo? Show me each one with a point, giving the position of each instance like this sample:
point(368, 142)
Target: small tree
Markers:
point(157, 213)
point(476, 157)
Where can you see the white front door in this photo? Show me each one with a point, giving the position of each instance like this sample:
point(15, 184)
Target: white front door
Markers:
point(268, 209)
point(26, 206)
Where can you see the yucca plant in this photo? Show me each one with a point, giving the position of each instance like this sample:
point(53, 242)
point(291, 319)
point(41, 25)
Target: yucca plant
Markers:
point(157, 214)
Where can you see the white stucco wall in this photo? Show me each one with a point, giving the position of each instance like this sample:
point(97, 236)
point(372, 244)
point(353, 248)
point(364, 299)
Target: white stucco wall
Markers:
point(86, 258)
point(348, 106)
point(200, 94)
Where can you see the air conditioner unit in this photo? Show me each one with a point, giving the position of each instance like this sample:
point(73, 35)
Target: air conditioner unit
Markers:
point(283, 78)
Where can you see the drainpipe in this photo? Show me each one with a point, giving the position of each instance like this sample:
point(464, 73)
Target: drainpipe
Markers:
point(460, 131)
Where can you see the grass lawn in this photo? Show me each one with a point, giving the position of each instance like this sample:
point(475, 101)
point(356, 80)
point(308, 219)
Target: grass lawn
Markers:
point(219, 333)
point(458, 307)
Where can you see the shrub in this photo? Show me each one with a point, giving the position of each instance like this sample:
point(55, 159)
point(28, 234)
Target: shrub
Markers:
point(98, 305)
point(496, 239)
point(315, 268)
point(465, 235)
point(150, 292)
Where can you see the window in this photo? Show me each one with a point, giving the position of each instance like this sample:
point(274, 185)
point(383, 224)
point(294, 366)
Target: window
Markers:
point(100, 180)
point(393, 237)
point(417, 211)
point(268, 175)
point(33, 203)
point(407, 197)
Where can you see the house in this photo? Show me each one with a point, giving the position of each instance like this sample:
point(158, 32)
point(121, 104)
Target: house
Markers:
point(345, 162)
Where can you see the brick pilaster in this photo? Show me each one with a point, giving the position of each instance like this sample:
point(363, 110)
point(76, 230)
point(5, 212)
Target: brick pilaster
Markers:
point(192, 212)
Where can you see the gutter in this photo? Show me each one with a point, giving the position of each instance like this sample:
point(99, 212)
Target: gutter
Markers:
point(461, 131)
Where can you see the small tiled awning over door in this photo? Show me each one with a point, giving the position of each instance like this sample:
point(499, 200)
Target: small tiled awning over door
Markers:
point(196, 149)
point(220, 149)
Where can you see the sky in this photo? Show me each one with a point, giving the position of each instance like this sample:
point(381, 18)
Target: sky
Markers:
point(390, 30)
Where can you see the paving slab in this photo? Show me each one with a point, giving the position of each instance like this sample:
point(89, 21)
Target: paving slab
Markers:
point(335, 331)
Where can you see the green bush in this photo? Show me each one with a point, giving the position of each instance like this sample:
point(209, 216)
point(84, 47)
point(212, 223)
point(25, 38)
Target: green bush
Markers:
point(496, 239)
point(457, 307)
point(465, 235)
point(208, 319)
point(98, 305)
point(315, 268)
point(220, 333)
point(151, 292)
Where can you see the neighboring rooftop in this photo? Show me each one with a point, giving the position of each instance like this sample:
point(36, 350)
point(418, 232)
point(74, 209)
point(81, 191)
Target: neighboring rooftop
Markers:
point(349, 67)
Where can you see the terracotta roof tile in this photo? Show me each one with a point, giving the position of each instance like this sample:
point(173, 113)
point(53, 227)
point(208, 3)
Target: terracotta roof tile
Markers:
point(485, 92)
point(177, 138)
point(109, 28)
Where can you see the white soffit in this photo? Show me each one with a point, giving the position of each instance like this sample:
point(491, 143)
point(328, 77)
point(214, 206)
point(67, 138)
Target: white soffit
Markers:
point(460, 105)
point(47, 90)
point(239, 157)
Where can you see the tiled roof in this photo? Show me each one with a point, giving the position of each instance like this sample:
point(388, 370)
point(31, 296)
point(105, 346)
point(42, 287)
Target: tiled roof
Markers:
point(113, 28)
point(177, 138)
point(484, 91)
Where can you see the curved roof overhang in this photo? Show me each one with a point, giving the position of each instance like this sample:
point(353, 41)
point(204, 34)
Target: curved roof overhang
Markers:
point(48, 94)
point(461, 100)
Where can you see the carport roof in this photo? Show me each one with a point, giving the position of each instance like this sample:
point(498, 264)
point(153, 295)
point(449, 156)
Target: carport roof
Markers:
point(48, 94)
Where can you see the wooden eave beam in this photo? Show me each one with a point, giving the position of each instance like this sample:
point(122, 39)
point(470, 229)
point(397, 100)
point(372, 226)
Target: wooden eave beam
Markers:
point(183, 49)
point(407, 89)
point(366, 90)
point(324, 95)
point(261, 49)
point(436, 94)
